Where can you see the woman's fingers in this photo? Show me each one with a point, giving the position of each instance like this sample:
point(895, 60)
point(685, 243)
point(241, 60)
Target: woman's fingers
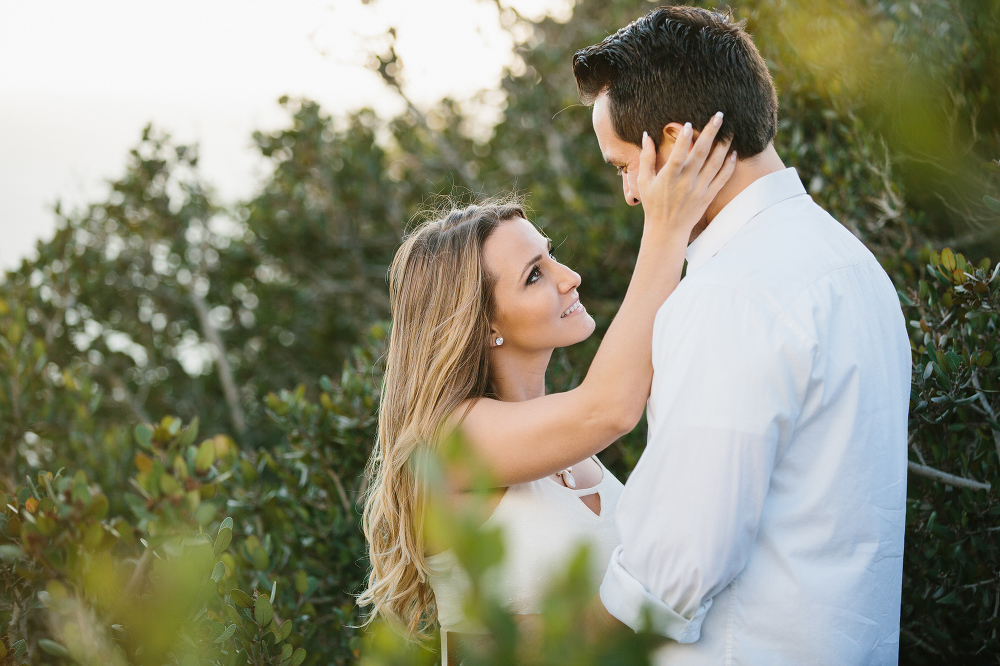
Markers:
point(703, 146)
point(715, 161)
point(647, 164)
point(722, 177)
point(679, 151)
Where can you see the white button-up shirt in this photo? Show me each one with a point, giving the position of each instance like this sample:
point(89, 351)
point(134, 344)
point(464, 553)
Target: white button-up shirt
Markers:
point(764, 521)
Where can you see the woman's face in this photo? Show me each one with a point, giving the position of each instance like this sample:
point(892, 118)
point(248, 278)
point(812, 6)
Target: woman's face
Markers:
point(538, 307)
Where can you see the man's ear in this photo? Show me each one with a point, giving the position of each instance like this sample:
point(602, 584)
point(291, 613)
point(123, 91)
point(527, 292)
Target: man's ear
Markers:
point(667, 139)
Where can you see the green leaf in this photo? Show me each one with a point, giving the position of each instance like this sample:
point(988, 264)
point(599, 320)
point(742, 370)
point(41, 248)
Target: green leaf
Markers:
point(189, 434)
point(262, 612)
point(19, 648)
point(301, 581)
point(144, 436)
point(53, 648)
point(984, 359)
point(228, 522)
point(223, 540)
point(274, 589)
point(992, 203)
point(950, 598)
point(241, 598)
point(227, 634)
point(218, 572)
point(286, 630)
point(260, 559)
point(233, 615)
point(948, 259)
point(206, 456)
point(98, 507)
point(298, 657)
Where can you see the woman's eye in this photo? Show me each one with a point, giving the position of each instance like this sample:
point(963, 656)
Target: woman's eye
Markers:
point(552, 255)
point(534, 275)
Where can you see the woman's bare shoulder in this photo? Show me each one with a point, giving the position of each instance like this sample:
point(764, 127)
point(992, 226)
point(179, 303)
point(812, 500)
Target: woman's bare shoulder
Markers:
point(470, 408)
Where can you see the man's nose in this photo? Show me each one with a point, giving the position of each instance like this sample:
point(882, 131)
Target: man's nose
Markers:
point(631, 198)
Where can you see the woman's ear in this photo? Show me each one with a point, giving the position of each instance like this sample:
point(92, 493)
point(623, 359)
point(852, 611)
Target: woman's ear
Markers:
point(494, 339)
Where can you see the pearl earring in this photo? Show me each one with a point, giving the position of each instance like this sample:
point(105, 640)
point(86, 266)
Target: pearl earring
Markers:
point(499, 341)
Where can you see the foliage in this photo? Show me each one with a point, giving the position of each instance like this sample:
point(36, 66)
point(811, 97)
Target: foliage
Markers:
point(951, 593)
point(162, 300)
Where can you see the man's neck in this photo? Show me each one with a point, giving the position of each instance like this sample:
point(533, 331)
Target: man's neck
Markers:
point(746, 173)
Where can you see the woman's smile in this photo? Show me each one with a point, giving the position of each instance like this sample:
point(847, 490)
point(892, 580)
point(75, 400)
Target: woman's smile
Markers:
point(574, 309)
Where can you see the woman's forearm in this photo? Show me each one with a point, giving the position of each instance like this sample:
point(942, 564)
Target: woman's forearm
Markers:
point(620, 375)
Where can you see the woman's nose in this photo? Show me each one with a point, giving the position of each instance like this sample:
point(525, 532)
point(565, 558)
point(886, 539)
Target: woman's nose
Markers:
point(570, 280)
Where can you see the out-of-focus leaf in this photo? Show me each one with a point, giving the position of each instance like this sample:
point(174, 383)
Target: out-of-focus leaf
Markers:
point(223, 540)
point(49, 646)
point(144, 436)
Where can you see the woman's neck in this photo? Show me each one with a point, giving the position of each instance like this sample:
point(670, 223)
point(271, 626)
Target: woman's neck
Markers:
point(520, 376)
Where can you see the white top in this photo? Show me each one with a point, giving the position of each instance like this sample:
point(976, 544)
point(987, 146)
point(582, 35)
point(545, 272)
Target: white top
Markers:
point(543, 523)
point(764, 522)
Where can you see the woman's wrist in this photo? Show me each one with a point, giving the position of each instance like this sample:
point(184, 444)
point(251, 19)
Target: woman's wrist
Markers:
point(660, 237)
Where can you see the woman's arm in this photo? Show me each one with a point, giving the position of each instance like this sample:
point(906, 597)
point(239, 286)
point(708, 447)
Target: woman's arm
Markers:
point(523, 441)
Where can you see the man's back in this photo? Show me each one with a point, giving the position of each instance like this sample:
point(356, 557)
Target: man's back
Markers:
point(777, 445)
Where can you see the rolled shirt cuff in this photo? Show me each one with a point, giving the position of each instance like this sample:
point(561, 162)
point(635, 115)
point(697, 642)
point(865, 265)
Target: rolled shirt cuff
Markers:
point(629, 601)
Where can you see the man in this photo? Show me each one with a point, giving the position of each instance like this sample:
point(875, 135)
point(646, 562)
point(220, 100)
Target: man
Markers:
point(764, 522)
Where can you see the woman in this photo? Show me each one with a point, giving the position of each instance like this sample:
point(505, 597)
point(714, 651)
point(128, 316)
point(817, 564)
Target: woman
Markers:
point(479, 302)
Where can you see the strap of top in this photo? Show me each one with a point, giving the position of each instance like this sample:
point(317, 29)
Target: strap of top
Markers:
point(605, 478)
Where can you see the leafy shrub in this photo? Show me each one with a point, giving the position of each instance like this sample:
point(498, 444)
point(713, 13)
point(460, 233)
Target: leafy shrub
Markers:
point(952, 557)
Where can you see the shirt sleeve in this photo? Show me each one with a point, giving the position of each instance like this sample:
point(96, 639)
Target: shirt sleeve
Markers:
point(729, 380)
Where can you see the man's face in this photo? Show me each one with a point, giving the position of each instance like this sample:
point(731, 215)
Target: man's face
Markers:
point(622, 155)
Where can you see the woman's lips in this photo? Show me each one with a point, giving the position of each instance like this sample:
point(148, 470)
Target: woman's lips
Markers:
point(574, 309)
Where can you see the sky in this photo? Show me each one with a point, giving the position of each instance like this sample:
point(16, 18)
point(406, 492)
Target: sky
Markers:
point(79, 81)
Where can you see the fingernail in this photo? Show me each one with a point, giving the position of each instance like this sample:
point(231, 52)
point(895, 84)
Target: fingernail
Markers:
point(732, 158)
point(687, 129)
point(644, 137)
point(717, 120)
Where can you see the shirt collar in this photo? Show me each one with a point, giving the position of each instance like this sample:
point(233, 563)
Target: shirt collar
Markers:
point(756, 198)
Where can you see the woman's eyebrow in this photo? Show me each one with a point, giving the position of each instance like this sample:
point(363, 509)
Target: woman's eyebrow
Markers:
point(534, 260)
point(538, 257)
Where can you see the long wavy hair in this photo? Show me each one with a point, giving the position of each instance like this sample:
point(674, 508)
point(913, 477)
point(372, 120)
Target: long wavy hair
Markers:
point(442, 301)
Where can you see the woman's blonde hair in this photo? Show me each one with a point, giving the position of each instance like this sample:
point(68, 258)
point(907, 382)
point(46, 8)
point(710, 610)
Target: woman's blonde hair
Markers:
point(442, 303)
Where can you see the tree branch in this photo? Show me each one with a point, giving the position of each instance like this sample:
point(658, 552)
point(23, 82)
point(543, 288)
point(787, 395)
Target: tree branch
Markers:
point(225, 370)
point(136, 578)
point(344, 502)
point(989, 411)
point(945, 477)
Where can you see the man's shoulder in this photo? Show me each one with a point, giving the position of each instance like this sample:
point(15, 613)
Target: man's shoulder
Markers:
point(782, 251)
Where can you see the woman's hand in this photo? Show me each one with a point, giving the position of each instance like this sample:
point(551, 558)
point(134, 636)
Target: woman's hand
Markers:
point(676, 198)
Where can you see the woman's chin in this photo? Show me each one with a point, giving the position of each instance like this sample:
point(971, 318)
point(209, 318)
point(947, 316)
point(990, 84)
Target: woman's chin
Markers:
point(585, 327)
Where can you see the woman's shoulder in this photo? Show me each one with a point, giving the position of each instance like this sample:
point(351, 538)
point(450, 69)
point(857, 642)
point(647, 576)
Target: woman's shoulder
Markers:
point(468, 408)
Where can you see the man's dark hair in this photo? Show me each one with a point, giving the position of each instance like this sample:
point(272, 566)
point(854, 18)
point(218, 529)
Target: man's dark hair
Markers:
point(682, 64)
